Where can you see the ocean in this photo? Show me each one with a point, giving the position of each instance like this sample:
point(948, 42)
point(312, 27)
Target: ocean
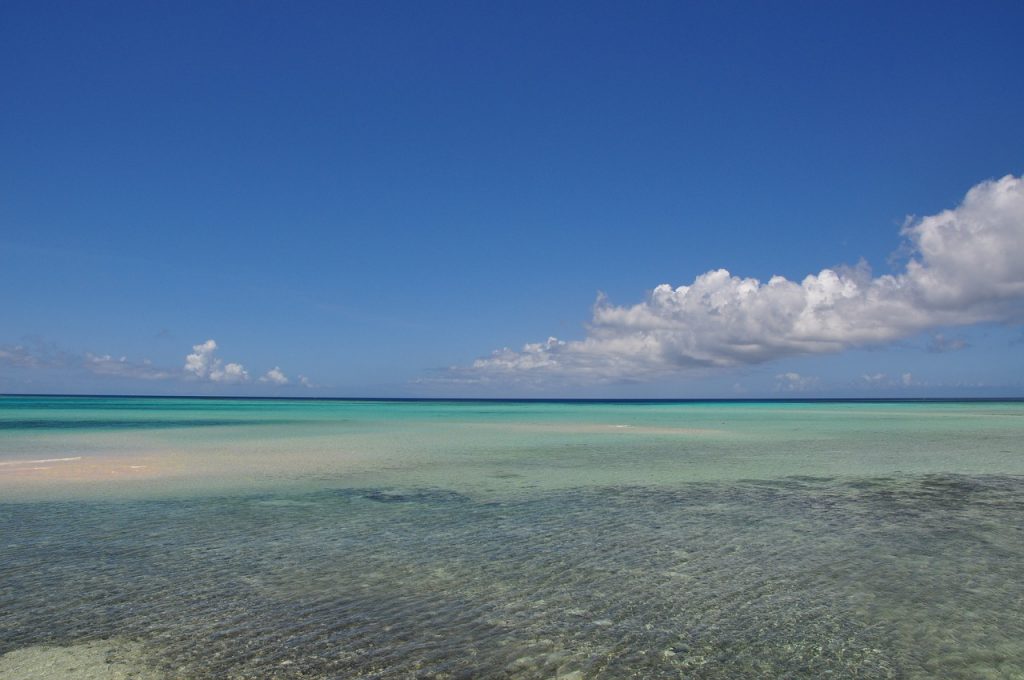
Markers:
point(232, 538)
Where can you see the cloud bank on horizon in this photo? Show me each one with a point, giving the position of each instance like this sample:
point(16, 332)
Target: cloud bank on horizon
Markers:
point(966, 266)
point(201, 364)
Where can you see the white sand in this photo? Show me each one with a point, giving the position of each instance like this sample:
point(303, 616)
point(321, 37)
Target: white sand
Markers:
point(102, 660)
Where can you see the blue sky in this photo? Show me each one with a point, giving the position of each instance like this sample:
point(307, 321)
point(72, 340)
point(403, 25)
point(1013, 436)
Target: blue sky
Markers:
point(380, 196)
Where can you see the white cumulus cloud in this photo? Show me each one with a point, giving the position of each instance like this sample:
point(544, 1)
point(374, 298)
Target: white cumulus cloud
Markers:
point(202, 363)
point(966, 266)
point(275, 376)
point(200, 360)
point(231, 373)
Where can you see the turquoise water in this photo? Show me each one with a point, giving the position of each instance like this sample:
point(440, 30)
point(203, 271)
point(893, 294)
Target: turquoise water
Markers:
point(329, 539)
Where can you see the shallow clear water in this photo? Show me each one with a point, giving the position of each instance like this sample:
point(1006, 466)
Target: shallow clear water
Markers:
point(520, 540)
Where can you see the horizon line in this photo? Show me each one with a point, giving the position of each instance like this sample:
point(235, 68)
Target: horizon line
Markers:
point(649, 400)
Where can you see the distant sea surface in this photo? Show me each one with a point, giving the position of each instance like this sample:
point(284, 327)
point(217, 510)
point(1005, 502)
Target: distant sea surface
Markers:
point(222, 538)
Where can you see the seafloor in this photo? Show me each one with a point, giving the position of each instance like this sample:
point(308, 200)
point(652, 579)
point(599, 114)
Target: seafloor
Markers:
point(882, 578)
point(208, 540)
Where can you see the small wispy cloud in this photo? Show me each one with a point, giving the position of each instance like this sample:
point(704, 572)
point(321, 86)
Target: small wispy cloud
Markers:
point(40, 355)
point(887, 382)
point(794, 382)
point(19, 355)
point(966, 266)
point(36, 353)
point(122, 367)
point(940, 344)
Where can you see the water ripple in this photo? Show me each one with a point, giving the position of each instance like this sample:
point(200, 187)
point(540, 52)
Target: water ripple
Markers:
point(902, 577)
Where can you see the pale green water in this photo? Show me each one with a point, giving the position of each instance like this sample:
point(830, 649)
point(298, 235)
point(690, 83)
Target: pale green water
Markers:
point(234, 538)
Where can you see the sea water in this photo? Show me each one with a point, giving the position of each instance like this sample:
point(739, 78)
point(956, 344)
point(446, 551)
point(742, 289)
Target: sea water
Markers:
point(201, 538)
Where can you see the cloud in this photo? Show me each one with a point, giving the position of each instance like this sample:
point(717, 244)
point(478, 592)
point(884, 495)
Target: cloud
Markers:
point(37, 353)
point(794, 382)
point(966, 266)
point(20, 356)
point(122, 367)
point(882, 380)
point(231, 373)
point(940, 344)
point(199, 362)
point(43, 355)
point(306, 382)
point(202, 363)
point(274, 376)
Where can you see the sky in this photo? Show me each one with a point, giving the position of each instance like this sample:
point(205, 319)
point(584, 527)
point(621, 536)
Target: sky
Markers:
point(512, 199)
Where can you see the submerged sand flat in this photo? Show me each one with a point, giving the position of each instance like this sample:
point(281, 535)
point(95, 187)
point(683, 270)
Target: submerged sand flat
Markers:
point(101, 660)
point(144, 458)
point(214, 539)
point(66, 448)
point(90, 468)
